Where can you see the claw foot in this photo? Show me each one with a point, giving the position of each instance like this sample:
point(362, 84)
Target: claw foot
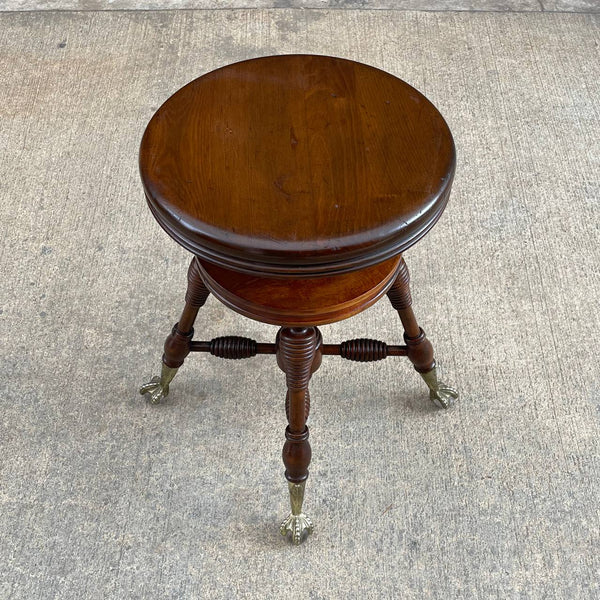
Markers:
point(442, 395)
point(158, 387)
point(297, 523)
point(300, 526)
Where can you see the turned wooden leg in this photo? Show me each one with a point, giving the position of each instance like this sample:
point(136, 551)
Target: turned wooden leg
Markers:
point(299, 356)
point(420, 350)
point(177, 344)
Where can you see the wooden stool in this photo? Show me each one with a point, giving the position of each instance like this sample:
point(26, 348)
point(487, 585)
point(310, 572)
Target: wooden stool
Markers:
point(297, 182)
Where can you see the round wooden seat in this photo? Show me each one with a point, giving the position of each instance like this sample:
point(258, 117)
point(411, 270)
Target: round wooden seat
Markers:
point(297, 166)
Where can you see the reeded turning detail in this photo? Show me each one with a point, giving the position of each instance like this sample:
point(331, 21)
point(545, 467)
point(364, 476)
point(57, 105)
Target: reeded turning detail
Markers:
point(399, 293)
point(363, 350)
point(296, 523)
point(306, 405)
point(197, 292)
point(233, 346)
point(297, 346)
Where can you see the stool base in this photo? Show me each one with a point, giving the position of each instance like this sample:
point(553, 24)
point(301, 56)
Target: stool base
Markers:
point(299, 350)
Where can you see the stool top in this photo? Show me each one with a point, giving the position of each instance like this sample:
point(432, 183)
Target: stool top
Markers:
point(297, 165)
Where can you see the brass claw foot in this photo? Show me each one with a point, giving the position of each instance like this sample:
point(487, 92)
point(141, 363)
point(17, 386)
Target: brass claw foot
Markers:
point(158, 387)
point(441, 394)
point(300, 526)
point(297, 523)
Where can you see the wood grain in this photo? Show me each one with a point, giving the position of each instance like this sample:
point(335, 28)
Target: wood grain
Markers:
point(297, 165)
point(304, 301)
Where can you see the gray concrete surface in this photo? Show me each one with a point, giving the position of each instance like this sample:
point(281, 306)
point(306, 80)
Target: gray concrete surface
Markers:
point(103, 496)
point(422, 5)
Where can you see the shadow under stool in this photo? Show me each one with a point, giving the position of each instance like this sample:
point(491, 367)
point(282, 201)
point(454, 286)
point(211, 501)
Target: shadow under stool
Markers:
point(297, 182)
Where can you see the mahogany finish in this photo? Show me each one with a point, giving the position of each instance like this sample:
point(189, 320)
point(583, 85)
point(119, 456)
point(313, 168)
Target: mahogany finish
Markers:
point(297, 165)
point(297, 302)
point(420, 350)
point(298, 357)
point(297, 182)
point(177, 344)
point(361, 349)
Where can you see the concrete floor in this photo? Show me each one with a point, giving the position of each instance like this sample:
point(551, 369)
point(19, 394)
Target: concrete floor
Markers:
point(103, 496)
point(422, 5)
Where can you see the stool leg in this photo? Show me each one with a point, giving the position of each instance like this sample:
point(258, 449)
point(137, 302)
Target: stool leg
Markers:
point(298, 355)
point(177, 344)
point(420, 350)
